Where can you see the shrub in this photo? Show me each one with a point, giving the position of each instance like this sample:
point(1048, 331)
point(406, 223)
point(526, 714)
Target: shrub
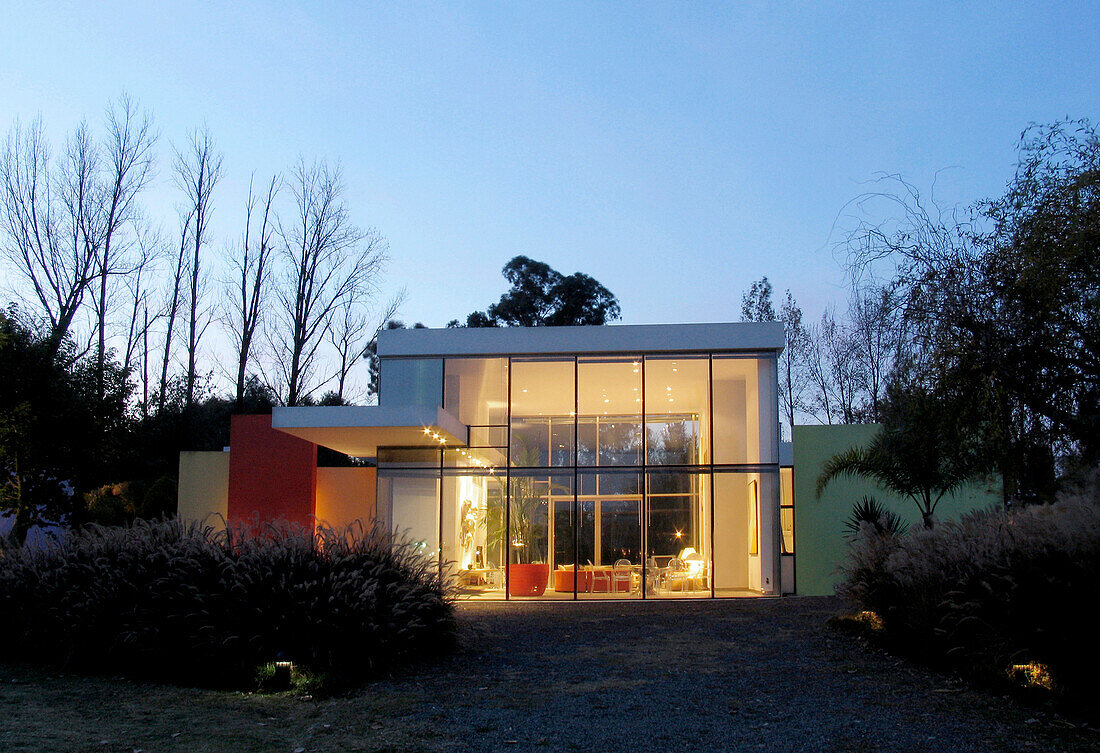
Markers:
point(999, 593)
point(186, 603)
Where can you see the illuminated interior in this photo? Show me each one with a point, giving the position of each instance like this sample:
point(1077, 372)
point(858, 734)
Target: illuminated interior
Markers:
point(625, 476)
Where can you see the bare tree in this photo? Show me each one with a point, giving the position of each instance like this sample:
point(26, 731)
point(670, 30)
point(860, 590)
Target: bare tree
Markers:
point(128, 150)
point(350, 336)
point(877, 338)
point(148, 249)
point(145, 361)
point(50, 222)
point(793, 373)
point(823, 403)
point(171, 311)
point(326, 260)
point(251, 264)
point(198, 169)
point(839, 352)
point(756, 306)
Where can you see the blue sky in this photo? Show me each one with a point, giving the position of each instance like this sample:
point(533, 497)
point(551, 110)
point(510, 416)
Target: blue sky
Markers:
point(675, 152)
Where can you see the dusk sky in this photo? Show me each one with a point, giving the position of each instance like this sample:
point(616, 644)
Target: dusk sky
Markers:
point(675, 152)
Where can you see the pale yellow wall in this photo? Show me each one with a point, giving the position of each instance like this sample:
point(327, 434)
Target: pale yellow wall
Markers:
point(344, 495)
point(204, 486)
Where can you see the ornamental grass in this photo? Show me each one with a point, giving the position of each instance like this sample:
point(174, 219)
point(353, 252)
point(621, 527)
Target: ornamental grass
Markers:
point(193, 604)
point(998, 594)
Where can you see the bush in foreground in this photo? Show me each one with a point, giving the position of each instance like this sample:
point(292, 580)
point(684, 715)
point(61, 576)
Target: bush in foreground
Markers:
point(996, 593)
point(184, 602)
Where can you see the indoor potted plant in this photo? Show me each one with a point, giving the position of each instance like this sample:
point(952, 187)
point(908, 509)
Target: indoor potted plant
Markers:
point(526, 534)
point(528, 570)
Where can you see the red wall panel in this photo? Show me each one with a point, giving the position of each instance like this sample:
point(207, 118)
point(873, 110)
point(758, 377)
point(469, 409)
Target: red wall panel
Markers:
point(272, 475)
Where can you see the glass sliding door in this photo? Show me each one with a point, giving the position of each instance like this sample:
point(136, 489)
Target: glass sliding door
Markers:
point(541, 554)
point(678, 534)
point(408, 504)
point(746, 527)
point(609, 536)
point(473, 531)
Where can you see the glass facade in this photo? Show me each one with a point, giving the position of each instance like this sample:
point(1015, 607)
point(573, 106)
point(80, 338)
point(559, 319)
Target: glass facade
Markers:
point(625, 476)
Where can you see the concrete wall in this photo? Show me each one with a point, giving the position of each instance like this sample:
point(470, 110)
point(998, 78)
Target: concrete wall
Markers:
point(820, 546)
point(344, 495)
point(203, 486)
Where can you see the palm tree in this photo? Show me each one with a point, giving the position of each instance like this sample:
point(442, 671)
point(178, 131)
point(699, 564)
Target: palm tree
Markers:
point(923, 452)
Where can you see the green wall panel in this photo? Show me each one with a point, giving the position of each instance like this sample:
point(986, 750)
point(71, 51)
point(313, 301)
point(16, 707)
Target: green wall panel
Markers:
point(820, 546)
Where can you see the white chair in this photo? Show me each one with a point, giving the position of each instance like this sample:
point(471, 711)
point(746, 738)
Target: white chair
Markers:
point(601, 577)
point(675, 576)
point(653, 576)
point(621, 573)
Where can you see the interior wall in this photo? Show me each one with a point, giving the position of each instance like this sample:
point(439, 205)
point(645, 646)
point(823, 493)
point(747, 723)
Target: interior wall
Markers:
point(768, 520)
point(731, 531)
point(744, 410)
point(466, 520)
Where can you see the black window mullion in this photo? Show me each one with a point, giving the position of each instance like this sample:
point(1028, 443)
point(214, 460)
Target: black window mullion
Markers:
point(505, 547)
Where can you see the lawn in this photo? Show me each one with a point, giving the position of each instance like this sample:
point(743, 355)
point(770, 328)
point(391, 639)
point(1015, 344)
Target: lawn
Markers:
point(723, 675)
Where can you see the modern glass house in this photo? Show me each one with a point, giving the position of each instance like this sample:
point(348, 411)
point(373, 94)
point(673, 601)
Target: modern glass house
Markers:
point(626, 462)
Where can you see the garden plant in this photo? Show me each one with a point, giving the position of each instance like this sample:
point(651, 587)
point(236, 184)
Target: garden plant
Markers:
point(189, 603)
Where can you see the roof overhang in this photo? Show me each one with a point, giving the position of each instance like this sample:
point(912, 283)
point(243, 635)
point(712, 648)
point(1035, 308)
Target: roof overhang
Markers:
point(360, 430)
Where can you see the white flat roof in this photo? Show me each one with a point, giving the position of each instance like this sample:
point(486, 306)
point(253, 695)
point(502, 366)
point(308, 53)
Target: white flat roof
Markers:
point(621, 338)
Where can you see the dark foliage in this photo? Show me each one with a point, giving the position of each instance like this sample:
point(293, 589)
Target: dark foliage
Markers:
point(543, 297)
point(1005, 305)
point(58, 431)
point(153, 442)
point(184, 603)
point(923, 451)
point(998, 594)
point(869, 511)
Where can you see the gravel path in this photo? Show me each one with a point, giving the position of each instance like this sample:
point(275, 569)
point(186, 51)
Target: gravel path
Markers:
point(753, 674)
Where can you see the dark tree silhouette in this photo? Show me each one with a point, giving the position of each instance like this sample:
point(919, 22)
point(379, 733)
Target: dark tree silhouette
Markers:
point(542, 297)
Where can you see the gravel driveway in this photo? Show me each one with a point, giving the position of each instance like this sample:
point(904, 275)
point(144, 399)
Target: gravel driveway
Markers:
point(752, 674)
